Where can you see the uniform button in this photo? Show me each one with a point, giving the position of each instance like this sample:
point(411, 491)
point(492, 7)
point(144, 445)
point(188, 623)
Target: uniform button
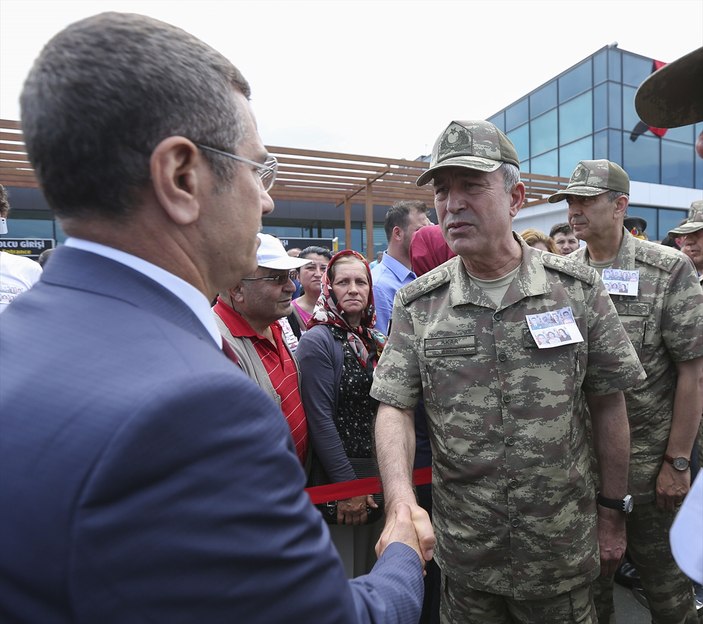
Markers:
point(509, 441)
point(515, 522)
point(506, 398)
point(498, 315)
point(502, 357)
point(513, 483)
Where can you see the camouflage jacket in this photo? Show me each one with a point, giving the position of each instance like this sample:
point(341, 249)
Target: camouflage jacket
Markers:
point(665, 324)
point(514, 509)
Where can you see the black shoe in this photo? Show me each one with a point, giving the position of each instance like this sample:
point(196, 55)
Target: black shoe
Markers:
point(627, 576)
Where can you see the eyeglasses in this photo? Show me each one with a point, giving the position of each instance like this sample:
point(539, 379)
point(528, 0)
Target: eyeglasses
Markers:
point(281, 279)
point(267, 170)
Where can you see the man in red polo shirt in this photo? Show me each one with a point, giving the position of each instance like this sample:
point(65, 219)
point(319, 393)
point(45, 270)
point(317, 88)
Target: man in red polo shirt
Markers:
point(247, 316)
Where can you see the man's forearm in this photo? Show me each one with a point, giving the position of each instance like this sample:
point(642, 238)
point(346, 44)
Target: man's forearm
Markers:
point(688, 405)
point(611, 442)
point(395, 452)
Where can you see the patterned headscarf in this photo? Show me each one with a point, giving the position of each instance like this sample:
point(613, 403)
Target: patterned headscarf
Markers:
point(364, 337)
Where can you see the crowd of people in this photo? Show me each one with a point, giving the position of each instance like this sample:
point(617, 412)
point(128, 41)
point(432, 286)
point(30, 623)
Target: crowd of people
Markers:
point(196, 377)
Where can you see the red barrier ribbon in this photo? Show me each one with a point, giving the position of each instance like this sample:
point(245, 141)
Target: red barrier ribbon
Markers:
point(359, 487)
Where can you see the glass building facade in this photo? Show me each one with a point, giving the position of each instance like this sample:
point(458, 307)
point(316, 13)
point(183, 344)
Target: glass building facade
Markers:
point(588, 112)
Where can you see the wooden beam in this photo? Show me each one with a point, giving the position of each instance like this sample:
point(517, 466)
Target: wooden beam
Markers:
point(347, 224)
point(369, 220)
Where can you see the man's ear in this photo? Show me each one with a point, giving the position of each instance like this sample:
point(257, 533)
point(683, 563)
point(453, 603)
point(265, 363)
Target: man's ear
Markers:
point(235, 294)
point(177, 178)
point(517, 198)
point(397, 233)
point(621, 206)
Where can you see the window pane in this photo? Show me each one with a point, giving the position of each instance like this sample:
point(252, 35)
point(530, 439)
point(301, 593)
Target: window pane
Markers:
point(683, 134)
point(516, 115)
point(546, 164)
point(498, 121)
point(614, 64)
point(543, 100)
point(669, 219)
point(544, 133)
point(629, 116)
point(576, 81)
point(677, 164)
point(615, 146)
point(570, 155)
point(635, 69)
point(600, 107)
point(575, 118)
point(600, 67)
point(30, 228)
point(521, 140)
point(641, 159)
point(615, 106)
point(600, 145)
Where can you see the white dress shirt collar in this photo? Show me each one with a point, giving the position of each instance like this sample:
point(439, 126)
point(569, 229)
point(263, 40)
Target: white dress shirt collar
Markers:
point(186, 292)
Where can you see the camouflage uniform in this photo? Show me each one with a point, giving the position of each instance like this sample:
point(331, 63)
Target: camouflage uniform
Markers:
point(514, 499)
point(664, 324)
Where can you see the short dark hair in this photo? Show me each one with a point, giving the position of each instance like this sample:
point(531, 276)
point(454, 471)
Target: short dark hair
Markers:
point(105, 91)
point(4, 202)
point(560, 228)
point(398, 213)
point(314, 249)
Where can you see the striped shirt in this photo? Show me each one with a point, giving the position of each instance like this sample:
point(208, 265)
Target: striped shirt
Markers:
point(283, 374)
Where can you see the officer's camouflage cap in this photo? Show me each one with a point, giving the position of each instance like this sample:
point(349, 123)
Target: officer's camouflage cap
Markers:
point(593, 177)
point(694, 224)
point(472, 144)
point(696, 206)
point(673, 96)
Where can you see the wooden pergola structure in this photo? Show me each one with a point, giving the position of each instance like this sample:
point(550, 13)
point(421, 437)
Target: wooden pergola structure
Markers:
point(307, 176)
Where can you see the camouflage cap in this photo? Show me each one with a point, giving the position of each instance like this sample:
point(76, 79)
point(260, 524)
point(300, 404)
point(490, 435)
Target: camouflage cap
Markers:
point(593, 177)
point(696, 206)
point(472, 144)
point(673, 96)
point(694, 224)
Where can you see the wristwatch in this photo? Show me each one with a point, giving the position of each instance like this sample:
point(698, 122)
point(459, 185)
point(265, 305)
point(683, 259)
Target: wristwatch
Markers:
point(679, 463)
point(621, 504)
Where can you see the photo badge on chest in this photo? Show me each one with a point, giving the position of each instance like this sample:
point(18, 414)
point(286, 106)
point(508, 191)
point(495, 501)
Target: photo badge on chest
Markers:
point(554, 328)
point(621, 282)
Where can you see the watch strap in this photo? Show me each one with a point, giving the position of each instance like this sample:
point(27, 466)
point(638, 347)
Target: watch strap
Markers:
point(618, 504)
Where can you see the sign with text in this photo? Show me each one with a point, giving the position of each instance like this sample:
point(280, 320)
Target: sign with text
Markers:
point(301, 243)
point(29, 247)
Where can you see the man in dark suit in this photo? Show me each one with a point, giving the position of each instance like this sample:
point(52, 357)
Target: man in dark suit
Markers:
point(143, 476)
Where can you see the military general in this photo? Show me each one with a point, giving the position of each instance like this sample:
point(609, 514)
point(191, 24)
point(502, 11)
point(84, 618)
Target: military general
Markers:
point(519, 534)
point(663, 316)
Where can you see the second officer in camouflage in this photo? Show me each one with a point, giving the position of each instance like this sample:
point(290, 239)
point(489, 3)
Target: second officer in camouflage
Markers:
point(662, 314)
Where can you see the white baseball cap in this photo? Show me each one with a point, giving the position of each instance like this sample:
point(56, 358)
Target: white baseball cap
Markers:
point(271, 254)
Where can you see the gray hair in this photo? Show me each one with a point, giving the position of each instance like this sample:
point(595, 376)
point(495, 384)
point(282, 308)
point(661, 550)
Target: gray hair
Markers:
point(105, 91)
point(511, 176)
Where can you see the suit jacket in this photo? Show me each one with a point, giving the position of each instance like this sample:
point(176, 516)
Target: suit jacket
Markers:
point(144, 478)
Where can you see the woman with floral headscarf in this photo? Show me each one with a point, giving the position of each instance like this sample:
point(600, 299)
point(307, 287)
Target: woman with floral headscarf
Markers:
point(337, 357)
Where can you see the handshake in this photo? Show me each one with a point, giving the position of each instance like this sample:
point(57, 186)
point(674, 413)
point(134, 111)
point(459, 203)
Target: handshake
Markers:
point(410, 524)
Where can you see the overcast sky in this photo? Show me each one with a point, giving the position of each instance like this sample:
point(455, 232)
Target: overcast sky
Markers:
point(379, 77)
